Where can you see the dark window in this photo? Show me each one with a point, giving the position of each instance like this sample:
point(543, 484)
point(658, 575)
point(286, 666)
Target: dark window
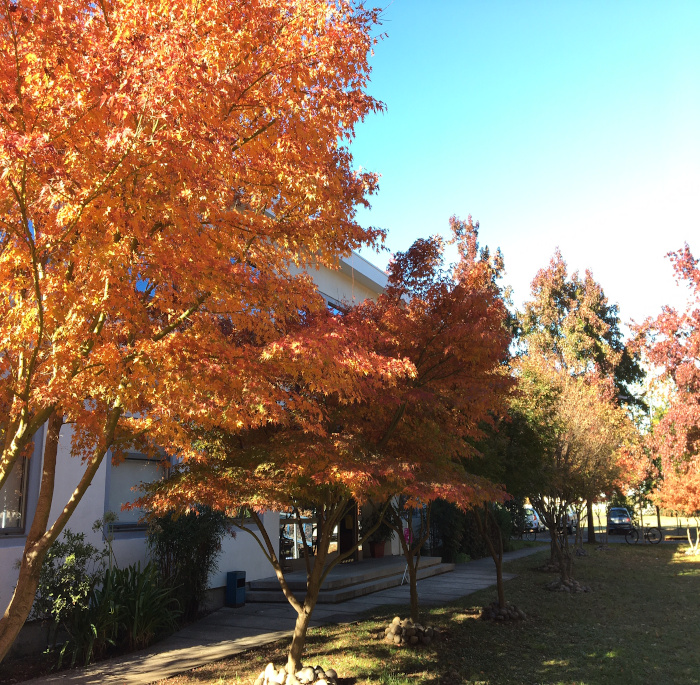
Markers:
point(13, 499)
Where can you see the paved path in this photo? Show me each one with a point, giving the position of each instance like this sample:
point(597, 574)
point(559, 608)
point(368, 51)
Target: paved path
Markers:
point(230, 631)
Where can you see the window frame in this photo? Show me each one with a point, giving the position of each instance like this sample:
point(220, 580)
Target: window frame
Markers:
point(129, 528)
point(16, 531)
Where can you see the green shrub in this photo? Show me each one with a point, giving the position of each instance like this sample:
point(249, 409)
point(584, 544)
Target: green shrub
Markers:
point(185, 549)
point(129, 609)
point(447, 527)
point(454, 533)
point(68, 576)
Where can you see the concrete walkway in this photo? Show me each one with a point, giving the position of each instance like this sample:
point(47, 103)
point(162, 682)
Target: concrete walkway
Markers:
point(230, 631)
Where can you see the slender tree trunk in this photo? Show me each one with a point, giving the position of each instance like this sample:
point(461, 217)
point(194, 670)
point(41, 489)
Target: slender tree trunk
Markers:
point(301, 627)
point(496, 552)
point(35, 548)
point(317, 571)
point(313, 587)
point(591, 522)
point(413, 579)
point(40, 537)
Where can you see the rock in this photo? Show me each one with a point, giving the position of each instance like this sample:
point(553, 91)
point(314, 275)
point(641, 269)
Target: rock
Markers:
point(260, 679)
point(413, 639)
point(306, 675)
point(396, 620)
point(330, 673)
point(321, 681)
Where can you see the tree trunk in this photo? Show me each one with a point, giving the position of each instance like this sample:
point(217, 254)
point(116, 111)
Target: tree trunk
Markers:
point(560, 555)
point(413, 580)
point(40, 537)
point(35, 548)
point(304, 612)
point(591, 522)
point(296, 649)
point(496, 554)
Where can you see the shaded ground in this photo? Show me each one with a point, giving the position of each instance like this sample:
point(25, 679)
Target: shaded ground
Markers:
point(641, 624)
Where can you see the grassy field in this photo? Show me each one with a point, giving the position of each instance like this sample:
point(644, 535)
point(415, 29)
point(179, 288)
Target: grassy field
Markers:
point(640, 624)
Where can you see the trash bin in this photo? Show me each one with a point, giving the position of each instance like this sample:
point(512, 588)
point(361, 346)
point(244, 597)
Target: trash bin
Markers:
point(235, 588)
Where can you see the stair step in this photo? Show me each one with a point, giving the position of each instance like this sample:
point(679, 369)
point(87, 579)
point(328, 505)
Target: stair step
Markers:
point(343, 594)
point(350, 574)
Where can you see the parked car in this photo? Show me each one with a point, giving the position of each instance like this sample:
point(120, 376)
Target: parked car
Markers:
point(533, 520)
point(571, 521)
point(619, 520)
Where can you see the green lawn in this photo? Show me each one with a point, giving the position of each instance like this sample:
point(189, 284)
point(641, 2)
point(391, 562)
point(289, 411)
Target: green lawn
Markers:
point(640, 624)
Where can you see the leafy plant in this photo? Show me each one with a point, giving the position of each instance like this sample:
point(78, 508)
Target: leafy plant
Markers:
point(129, 609)
point(185, 549)
point(68, 575)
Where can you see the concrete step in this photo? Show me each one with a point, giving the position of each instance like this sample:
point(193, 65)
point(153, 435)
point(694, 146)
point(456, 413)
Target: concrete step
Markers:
point(345, 575)
point(344, 592)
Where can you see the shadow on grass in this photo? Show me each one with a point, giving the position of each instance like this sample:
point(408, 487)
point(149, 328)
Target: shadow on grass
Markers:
point(641, 624)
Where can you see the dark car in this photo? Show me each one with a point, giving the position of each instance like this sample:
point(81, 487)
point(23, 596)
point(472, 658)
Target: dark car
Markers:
point(619, 520)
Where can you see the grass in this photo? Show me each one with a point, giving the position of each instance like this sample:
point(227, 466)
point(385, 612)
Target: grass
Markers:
point(640, 624)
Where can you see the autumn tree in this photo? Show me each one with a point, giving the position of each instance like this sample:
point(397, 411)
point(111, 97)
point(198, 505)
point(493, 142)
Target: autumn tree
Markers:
point(583, 434)
point(434, 344)
point(512, 453)
point(671, 344)
point(161, 166)
point(570, 323)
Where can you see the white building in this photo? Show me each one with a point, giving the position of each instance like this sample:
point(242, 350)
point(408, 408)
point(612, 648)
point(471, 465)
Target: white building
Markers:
point(355, 281)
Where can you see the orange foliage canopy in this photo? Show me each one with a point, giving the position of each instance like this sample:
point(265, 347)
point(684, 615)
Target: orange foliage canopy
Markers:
point(162, 162)
point(439, 343)
point(671, 343)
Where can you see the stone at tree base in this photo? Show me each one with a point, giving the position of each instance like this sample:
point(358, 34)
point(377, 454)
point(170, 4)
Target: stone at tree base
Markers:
point(569, 586)
point(510, 612)
point(304, 676)
point(406, 633)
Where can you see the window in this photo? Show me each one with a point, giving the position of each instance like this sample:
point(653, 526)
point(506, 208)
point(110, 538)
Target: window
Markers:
point(13, 499)
point(334, 307)
point(134, 470)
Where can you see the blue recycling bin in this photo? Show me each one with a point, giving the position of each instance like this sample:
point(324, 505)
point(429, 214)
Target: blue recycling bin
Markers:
point(235, 588)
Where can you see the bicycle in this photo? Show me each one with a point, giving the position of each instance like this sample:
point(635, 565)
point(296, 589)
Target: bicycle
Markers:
point(529, 535)
point(652, 535)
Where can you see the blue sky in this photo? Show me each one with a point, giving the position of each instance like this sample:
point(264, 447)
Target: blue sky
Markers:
point(570, 124)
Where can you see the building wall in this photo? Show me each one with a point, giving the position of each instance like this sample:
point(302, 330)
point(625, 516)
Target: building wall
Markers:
point(354, 281)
